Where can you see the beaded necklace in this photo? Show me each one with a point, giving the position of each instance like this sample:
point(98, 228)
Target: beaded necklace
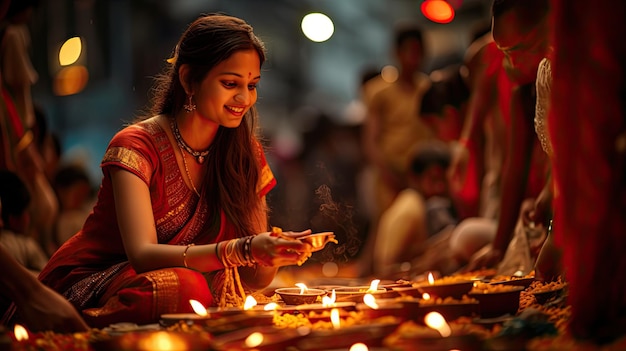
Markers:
point(193, 186)
point(200, 156)
point(181, 146)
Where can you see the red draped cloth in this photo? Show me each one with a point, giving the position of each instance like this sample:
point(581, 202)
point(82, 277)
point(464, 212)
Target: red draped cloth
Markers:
point(91, 269)
point(587, 125)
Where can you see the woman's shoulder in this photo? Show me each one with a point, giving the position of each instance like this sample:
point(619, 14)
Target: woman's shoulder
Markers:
point(149, 130)
point(138, 147)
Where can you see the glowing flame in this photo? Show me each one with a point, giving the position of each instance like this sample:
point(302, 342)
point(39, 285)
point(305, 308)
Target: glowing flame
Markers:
point(431, 279)
point(436, 321)
point(272, 306)
point(370, 300)
point(373, 285)
point(426, 296)
point(161, 341)
point(198, 308)
point(334, 318)
point(359, 347)
point(302, 287)
point(329, 301)
point(250, 302)
point(20, 332)
point(253, 340)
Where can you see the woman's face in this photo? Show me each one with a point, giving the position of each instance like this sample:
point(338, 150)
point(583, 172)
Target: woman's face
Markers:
point(523, 47)
point(229, 89)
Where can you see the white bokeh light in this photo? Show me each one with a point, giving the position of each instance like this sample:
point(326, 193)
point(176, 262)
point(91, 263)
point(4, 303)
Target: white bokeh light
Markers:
point(317, 27)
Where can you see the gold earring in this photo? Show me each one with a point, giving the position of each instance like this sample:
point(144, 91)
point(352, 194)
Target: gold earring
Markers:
point(189, 106)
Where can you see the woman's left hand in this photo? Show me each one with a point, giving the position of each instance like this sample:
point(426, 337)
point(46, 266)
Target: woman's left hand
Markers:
point(282, 250)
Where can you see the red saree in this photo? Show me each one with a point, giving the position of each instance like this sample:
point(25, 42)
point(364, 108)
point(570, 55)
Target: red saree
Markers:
point(587, 126)
point(91, 269)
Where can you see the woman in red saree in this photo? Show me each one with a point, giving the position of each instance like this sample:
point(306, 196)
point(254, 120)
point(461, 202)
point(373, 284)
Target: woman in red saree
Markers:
point(181, 211)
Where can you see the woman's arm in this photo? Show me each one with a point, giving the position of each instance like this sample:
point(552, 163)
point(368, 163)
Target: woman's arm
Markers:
point(136, 222)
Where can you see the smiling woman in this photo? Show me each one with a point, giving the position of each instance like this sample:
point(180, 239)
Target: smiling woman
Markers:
point(181, 212)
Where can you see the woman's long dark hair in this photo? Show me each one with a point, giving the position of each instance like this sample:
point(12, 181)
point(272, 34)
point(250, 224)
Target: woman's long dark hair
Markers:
point(233, 165)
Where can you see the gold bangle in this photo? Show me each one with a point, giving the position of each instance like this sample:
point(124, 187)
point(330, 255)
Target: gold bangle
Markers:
point(185, 254)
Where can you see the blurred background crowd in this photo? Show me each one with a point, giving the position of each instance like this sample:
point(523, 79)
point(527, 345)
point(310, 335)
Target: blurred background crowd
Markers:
point(87, 68)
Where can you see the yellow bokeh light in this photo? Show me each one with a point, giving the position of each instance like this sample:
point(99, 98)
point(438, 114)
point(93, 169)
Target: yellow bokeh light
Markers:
point(317, 27)
point(70, 80)
point(70, 51)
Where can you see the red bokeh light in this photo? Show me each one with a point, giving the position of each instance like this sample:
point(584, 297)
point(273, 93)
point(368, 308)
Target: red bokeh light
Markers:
point(438, 11)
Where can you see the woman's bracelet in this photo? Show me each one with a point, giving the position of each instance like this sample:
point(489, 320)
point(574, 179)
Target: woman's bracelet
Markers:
point(185, 254)
point(236, 252)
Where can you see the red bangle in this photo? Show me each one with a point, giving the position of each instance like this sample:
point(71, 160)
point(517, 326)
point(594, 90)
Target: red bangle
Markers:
point(465, 142)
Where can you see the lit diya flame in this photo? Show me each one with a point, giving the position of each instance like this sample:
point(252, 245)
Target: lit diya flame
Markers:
point(436, 321)
point(373, 285)
point(359, 346)
point(370, 301)
point(20, 332)
point(272, 306)
point(198, 308)
point(253, 340)
point(329, 301)
point(426, 296)
point(303, 288)
point(431, 279)
point(250, 302)
point(334, 318)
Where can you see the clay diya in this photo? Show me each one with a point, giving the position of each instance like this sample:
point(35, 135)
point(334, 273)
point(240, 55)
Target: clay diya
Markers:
point(299, 296)
point(545, 296)
point(373, 308)
point(494, 303)
point(264, 338)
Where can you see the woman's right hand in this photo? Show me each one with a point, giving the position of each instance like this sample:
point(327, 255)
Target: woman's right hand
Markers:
point(282, 250)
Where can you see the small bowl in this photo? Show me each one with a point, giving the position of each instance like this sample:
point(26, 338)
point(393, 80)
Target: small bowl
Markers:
point(273, 339)
point(433, 342)
point(417, 310)
point(454, 289)
point(293, 296)
point(356, 293)
point(525, 282)
point(370, 334)
point(543, 297)
point(409, 291)
point(319, 240)
point(385, 308)
point(498, 303)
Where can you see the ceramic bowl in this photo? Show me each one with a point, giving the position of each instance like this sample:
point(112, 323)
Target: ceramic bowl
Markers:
point(356, 293)
point(546, 296)
point(408, 291)
point(525, 282)
point(498, 303)
point(417, 309)
point(453, 289)
point(294, 296)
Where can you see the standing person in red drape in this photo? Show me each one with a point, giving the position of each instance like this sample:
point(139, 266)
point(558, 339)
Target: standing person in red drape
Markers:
point(181, 212)
point(587, 126)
